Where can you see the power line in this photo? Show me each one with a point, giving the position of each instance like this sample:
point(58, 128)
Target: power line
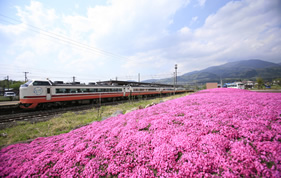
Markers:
point(66, 42)
point(64, 39)
point(74, 43)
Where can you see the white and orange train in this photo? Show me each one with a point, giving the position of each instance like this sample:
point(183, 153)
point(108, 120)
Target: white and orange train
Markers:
point(45, 93)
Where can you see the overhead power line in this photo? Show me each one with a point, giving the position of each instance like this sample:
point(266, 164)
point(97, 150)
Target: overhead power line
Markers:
point(63, 39)
point(68, 41)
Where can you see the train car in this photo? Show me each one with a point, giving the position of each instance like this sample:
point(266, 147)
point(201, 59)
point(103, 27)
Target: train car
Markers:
point(45, 93)
point(238, 85)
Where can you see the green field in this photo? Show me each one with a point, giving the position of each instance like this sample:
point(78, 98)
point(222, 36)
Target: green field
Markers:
point(24, 130)
point(2, 98)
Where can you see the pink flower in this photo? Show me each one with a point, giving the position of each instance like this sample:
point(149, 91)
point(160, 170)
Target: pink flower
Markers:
point(217, 132)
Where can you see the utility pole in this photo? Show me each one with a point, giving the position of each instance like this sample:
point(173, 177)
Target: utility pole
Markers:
point(73, 79)
point(174, 83)
point(8, 82)
point(139, 77)
point(25, 76)
point(175, 78)
point(3, 83)
point(176, 67)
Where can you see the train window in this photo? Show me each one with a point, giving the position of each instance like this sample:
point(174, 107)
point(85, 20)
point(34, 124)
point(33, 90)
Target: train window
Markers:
point(48, 90)
point(59, 90)
point(26, 84)
point(101, 90)
point(92, 90)
point(85, 90)
point(41, 83)
point(79, 91)
point(73, 90)
point(116, 89)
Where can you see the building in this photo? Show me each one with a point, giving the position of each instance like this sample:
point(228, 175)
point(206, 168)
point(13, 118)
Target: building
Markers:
point(211, 85)
point(248, 84)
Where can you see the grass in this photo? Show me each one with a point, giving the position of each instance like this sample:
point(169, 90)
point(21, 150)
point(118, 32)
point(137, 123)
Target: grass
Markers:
point(273, 87)
point(24, 131)
point(276, 87)
point(2, 98)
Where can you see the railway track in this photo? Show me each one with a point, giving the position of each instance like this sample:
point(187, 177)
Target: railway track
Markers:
point(37, 116)
point(9, 117)
point(7, 120)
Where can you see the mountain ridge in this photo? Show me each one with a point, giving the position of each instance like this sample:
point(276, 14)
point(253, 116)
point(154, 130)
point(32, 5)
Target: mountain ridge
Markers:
point(231, 71)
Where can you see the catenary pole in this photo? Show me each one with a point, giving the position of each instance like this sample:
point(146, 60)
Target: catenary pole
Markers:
point(25, 76)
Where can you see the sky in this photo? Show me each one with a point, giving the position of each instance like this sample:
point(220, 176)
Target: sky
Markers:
point(102, 40)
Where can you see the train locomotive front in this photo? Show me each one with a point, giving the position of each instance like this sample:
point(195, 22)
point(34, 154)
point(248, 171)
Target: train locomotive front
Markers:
point(34, 92)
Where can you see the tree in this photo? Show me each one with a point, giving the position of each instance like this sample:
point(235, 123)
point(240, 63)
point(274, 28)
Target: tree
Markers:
point(278, 81)
point(260, 82)
point(16, 85)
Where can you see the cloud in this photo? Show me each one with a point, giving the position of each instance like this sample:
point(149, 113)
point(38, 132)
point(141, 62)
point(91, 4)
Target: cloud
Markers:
point(193, 20)
point(243, 29)
point(37, 15)
point(139, 31)
point(125, 25)
point(238, 31)
point(202, 2)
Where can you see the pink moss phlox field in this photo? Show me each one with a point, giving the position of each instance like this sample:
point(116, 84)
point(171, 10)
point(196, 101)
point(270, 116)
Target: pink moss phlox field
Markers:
point(217, 132)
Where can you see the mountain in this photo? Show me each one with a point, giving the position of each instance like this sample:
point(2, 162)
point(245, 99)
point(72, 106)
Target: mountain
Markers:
point(238, 70)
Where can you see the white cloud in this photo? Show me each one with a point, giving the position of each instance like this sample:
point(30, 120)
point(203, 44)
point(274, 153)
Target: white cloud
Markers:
point(193, 20)
point(37, 15)
point(202, 2)
point(242, 28)
point(132, 24)
point(139, 31)
point(238, 31)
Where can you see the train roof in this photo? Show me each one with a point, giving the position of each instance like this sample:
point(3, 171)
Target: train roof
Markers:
point(108, 83)
point(134, 84)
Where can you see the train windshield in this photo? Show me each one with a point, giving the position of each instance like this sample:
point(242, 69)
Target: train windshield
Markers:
point(26, 84)
point(40, 83)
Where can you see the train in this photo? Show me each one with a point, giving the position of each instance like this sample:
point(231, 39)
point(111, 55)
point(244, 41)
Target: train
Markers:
point(238, 85)
point(45, 93)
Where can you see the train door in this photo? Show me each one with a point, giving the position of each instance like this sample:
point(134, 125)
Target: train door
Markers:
point(48, 96)
point(124, 91)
